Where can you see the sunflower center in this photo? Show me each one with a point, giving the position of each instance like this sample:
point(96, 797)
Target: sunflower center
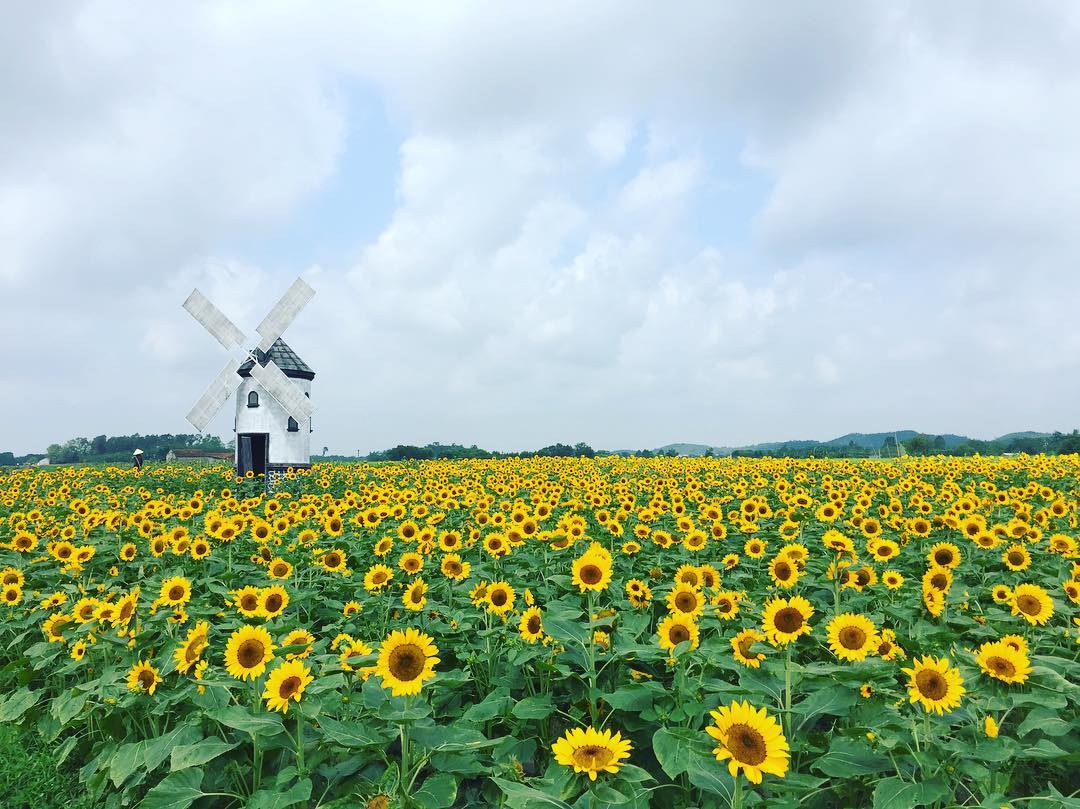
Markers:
point(783, 571)
point(746, 744)
point(146, 679)
point(379, 577)
point(943, 558)
point(931, 684)
point(194, 648)
point(862, 577)
point(406, 662)
point(416, 595)
point(852, 637)
point(1016, 558)
point(251, 653)
point(592, 757)
point(788, 620)
point(939, 580)
point(453, 568)
point(533, 624)
point(745, 646)
point(1001, 666)
point(591, 574)
point(249, 602)
point(332, 560)
point(678, 633)
point(288, 687)
point(686, 602)
point(1029, 605)
point(724, 605)
point(273, 602)
point(498, 597)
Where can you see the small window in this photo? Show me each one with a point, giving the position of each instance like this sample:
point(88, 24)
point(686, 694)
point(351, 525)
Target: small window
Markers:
point(293, 426)
point(253, 399)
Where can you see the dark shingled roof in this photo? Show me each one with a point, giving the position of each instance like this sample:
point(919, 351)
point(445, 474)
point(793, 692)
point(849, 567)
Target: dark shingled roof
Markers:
point(284, 358)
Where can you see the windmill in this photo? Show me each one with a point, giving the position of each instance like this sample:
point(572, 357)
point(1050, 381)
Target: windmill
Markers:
point(271, 383)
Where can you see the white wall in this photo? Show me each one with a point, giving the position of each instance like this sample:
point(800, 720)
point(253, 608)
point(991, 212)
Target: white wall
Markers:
point(270, 417)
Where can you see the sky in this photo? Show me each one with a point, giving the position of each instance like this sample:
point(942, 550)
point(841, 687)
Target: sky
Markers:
point(614, 222)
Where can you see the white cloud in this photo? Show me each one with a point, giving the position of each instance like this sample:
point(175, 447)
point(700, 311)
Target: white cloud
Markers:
point(567, 255)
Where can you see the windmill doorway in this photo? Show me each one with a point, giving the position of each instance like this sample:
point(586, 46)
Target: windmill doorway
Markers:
point(252, 453)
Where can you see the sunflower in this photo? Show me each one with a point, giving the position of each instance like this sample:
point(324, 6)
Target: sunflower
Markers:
point(750, 740)
point(406, 660)
point(852, 636)
point(273, 601)
point(639, 593)
point(784, 620)
point(286, 682)
point(940, 578)
point(592, 570)
point(688, 574)
point(500, 597)
point(1033, 603)
point(990, 727)
point(248, 601)
point(415, 596)
point(125, 610)
point(888, 648)
point(591, 751)
point(944, 554)
point(248, 651)
point(884, 549)
point(892, 579)
point(11, 595)
point(333, 561)
point(725, 604)
point(933, 600)
point(279, 568)
point(755, 548)
point(531, 626)
point(351, 652)
point(411, 562)
point(453, 568)
point(78, 650)
point(298, 637)
point(143, 677)
point(1001, 593)
point(175, 592)
point(190, 651)
point(783, 572)
point(1002, 662)
point(676, 629)
point(377, 577)
point(934, 684)
point(742, 648)
point(1016, 557)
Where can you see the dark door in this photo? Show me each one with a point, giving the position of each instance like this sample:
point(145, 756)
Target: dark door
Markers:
point(252, 452)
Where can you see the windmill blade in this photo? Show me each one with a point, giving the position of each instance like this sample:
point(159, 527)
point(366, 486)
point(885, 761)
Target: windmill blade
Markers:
point(284, 312)
point(219, 392)
point(214, 320)
point(287, 393)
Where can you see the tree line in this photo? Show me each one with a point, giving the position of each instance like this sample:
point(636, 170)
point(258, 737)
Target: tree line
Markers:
point(922, 444)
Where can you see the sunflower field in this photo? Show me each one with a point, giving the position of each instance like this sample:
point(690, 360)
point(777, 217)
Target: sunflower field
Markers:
point(551, 633)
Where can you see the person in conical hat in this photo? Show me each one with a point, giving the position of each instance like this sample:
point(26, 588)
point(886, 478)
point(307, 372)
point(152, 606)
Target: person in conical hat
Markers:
point(136, 459)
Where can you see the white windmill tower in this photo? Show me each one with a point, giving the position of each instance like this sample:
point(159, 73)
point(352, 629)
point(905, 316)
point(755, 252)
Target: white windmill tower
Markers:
point(272, 386)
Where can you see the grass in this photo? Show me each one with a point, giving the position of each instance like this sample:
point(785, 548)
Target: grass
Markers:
point(29, 778)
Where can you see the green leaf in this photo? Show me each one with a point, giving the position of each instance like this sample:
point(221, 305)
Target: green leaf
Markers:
point(539, 707)
point(675, 747)
point(240, 718)
point(157, 750)
point(128, 758)
point(437, 792)
point(894, 793)
point(300, 793)
point(635, 697)
point(351, 734)
point(520, 794)
point(1042, 749)
point(848, 757)
point(710, 775)
point(833, 700)
point(492, 705)
point(451, 738)
point(1046, 720)
point(176, 791)
point(67, 706)
point(17, 704)
point(194, 755)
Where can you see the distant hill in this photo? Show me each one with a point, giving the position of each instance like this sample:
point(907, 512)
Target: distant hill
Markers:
point(1022, 435)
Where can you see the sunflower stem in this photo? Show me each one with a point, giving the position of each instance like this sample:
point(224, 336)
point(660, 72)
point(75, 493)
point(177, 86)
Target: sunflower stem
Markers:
point(736, 798)
point(403, 775)
point(299, 742)
point(787, 690)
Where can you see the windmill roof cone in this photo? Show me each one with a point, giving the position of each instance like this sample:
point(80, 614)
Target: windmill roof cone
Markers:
point(271, 383)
